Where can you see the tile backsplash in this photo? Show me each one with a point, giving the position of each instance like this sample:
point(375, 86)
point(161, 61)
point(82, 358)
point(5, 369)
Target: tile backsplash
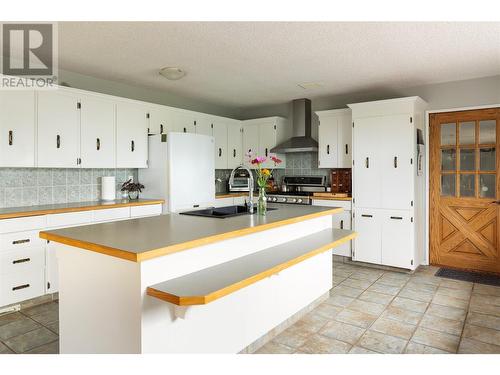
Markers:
point(297, 164)
point(36, 186)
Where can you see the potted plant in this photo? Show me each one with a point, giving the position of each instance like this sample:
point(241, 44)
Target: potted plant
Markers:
point(263, 175)
point(132, 188)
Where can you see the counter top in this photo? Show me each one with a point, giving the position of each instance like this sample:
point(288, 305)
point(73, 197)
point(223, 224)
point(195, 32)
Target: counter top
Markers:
point(146, 238)
point(231, 195)
point(330, 197)
point(15, 212)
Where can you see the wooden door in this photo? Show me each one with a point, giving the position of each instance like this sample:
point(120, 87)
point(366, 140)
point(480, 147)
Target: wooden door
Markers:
point(465, 190)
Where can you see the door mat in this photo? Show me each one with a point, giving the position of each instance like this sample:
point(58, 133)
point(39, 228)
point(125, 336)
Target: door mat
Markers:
point(473, 277)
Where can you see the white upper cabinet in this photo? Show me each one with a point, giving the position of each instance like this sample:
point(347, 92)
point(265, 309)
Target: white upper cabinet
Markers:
point(184, 122)
point(234, 144)
point(161, 120)
point(334, 139)
point(17, 128)
point(204, 125)
point(221, 143)
point(250, 140)
point(97, 140)
point(131, 135)
point(58, 129)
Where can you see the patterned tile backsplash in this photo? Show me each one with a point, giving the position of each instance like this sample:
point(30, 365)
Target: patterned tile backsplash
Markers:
point(298, 164)
point(35, 186)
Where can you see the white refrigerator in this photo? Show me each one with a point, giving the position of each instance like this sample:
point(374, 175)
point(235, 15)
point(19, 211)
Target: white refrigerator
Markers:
point(181, 170)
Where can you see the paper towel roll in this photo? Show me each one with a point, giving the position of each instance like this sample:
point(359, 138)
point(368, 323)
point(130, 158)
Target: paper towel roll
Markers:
point(108, 188)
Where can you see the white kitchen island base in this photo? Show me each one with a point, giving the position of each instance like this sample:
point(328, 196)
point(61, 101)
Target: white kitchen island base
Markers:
point(104, 307)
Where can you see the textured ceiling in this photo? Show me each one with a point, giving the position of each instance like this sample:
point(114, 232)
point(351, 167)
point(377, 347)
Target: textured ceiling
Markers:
point(246, 64)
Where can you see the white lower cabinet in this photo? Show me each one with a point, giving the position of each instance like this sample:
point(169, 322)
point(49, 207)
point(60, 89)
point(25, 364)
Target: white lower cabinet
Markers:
point(368, 243)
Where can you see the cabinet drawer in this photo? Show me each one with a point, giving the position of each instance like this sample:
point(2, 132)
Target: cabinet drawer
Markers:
point(18, 240)
point(22, 224)
point(21, 286)
point(149, 210)
point(69, 219)
point(111, 214)
point(346, 205)
point(22, 260)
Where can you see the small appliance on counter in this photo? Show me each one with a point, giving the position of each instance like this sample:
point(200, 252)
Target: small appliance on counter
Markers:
point(341, 181)
point(298, 189)
point(108, 188)
point(240, 182)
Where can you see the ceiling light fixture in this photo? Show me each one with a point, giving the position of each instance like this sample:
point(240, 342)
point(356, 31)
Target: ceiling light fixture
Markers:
point(310, 85)
point(172, 73)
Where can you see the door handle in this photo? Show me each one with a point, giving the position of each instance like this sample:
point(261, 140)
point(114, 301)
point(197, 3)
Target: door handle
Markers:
point(17, 261)
point(58, 141)
point(98, 144)
point(11, 136)
point(341, 224)
point(161, 128)
point(328, 149)
point(266, 152)
point(364, 215)
point(185, 130)
point(21, 287)
point(234, 152)
point(395, 161)
point(396, 218)
point(367, 162)
point(220, 152)
point(132, 146)
point(496, 202)
point(18, 242)
point(346, 149)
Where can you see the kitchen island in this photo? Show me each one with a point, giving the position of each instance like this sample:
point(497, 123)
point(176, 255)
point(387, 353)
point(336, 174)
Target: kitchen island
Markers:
point(178, 283)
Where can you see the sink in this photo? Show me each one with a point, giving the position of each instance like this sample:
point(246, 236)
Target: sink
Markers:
point(222, 212)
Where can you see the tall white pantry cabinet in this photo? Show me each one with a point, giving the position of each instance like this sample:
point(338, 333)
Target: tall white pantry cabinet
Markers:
point(388, 192)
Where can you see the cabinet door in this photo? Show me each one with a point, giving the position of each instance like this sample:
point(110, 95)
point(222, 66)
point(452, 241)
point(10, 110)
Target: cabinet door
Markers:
point(367, 185)
point(344, 142)
point(220, 135)
point(327, 142)
point(396, 152)
point(161, 121)
point(342, 221)
point(97, 138)
point(131, 136)
point(397, 239)
point(51, 271)
point(184, 123)
point(368, 243)
point(17, 128)
point(58, 130)
point(234, 146)
point(204, 126)
point(267, 140)
point(250, 141)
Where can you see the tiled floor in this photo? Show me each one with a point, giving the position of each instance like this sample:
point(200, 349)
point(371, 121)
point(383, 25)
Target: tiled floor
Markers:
point(369, 311)
point(374, 311)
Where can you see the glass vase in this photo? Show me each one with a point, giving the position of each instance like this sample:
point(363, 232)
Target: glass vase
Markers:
point(262, 202)
point(132, 195)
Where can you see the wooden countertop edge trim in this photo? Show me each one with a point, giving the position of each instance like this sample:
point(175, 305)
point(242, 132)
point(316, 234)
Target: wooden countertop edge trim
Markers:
point(151, 254)
point(320, 198)
point(203, 300)
point(230, 195)
point(77, 209)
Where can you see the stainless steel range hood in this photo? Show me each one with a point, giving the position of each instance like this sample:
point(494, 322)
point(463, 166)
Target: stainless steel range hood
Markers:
point(301, 140)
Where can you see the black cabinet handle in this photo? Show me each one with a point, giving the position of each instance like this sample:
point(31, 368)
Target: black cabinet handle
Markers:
point(98, 144)
point(396, 218)
point(21, 287)
point(341, 224)
point(18, 242)
point(346, 149)
point(11, 136)
point(220, 152)
point(328, 149)
point(395, 161)
point(185, 131)
point(161, 128)
point(58, 141)
point(367, 162)
point(132, 146)
point(366, 215)
point(234, 152)
point(266, 152)
point(17, 261)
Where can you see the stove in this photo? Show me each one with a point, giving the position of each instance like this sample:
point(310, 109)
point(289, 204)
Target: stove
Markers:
point(298, 189)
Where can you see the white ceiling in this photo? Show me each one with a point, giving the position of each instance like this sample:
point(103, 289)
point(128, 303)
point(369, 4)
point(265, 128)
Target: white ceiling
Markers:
point(246, 64)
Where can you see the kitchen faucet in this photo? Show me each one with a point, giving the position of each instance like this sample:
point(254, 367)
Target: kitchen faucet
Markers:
point(250, 189)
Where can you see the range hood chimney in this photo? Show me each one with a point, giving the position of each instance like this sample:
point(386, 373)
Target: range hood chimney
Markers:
point(301, 140)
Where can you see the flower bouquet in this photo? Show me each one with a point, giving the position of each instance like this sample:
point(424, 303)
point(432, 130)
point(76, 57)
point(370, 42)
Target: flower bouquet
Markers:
point(263, 175)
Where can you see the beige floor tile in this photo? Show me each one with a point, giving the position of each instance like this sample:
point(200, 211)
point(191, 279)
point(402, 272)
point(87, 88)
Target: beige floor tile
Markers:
point(414, 285)
point(9, 318)
point(415, 348)
point(381, 343)
point(368, 307)
point(341, 273)
point(273, 347)
point(292, 337)
point(483, 320)
point(47, 317)
point(488, 290)
point(311, 322)
point(51, 348)
point(423, 279)
point(319, 344)
point(428, 270)
point(342, 331)
point(327, 310)
point(393, 328)
point(484, 308)
point(483, 334)
point(402, 315)
point(39, 309)
point(346, 291)
point(4, 349)
point(392, 282)
point(360, 350)
point(354, 283)
point(357, 318)
point(375, 297)
point(416, 295)
point(485, 300)
point(409, 304)
point(456, 284)
point(440, 299)
point(366, 276)
point(439, 340)
point(453, 327)
point(384, 289)
point(17, 327)
point(30, 340)
point(456, 293)
point(337, 280)
point(469, 346)
point(339, 300)
point(446, 312)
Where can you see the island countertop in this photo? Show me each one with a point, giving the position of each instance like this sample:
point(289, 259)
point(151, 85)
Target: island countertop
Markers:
point(147, 238)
